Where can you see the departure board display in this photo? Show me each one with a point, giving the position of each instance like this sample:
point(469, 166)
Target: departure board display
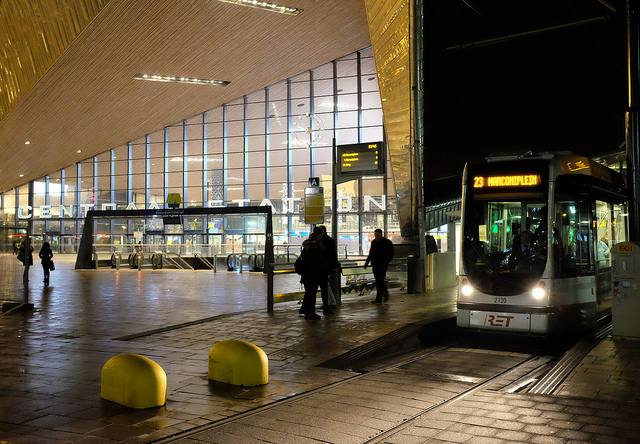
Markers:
point(361, 159)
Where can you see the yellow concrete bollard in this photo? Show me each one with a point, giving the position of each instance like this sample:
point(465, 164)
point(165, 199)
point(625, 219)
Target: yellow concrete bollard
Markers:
point(238, 363)
point(134, 381)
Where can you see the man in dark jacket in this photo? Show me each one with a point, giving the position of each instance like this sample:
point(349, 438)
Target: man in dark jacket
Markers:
point(331, 263)
point(380, 254)
point(313, 274)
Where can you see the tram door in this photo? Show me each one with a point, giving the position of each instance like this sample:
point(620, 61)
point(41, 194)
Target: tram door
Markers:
point(605, 235)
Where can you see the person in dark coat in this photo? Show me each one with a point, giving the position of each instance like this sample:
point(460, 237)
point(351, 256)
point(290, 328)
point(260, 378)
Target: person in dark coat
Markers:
point(330, 252)
point(380, 255)
point(22, 254)
point(46, 256)
point(313, 273)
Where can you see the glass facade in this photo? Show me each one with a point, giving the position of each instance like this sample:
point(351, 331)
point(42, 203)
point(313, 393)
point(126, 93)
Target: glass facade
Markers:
point(260, 149)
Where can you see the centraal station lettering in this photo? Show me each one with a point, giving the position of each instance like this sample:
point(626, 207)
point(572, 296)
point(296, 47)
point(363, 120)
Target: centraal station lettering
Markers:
point(287, 206)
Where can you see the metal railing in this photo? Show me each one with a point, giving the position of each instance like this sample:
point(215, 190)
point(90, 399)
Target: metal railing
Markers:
point(178, 261)
point(238, 256)
point(205, 261)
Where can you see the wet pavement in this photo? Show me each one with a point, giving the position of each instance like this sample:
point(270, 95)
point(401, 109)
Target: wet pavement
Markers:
point(52, 357)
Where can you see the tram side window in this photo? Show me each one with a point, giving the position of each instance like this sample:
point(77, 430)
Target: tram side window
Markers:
point(571, 238)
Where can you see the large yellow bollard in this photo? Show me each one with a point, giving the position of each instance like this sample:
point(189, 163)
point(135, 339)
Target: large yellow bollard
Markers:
point(134, 381)
point(238, 363)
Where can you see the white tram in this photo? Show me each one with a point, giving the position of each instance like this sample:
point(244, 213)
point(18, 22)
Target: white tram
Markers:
point(536, 237)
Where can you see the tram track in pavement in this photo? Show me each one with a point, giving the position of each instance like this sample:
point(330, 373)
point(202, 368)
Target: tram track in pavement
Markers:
point(294, 398)
point(388, 396)
point(345, 399)
point(477, 387)
point(554, 373)
point(545, 377)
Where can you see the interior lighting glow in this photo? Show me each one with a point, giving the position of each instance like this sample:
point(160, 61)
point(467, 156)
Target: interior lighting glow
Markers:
point(175, 79)
point(272, 7)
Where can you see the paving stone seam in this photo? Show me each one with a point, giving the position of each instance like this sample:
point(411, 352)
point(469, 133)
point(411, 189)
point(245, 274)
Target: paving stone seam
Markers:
point(183, 325)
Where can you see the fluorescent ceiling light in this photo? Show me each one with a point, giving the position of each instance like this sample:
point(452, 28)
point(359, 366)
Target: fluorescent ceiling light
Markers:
point(180, 80)
point(266, 6)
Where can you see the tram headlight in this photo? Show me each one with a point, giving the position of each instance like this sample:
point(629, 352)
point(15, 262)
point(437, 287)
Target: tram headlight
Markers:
point(539, 292)
point(466, 288)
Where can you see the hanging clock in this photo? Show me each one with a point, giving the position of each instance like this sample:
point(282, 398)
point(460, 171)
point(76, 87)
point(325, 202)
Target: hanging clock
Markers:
point(307, 130)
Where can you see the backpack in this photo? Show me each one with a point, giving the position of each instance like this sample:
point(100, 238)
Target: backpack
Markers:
point(299, 265)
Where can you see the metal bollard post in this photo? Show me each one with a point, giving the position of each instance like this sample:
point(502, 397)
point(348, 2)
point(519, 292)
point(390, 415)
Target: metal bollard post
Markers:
point(117, 256)
point(240, 261)
point(139, 261)
point(269, 269)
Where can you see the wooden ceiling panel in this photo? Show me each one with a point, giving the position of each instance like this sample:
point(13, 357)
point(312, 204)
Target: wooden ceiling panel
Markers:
point(89, 100)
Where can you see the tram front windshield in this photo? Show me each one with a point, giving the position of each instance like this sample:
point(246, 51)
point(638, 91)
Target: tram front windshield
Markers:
point(504, 249)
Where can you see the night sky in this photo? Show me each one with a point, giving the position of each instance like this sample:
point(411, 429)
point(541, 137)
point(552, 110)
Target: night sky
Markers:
point(560, 90)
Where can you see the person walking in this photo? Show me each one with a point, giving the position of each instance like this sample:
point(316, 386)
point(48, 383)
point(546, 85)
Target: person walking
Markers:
point(46, 256)
point(380, 255)
point(313, 273)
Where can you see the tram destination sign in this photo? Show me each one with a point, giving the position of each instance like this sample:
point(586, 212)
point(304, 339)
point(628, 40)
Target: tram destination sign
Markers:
point(361, 159)
point(507, 181)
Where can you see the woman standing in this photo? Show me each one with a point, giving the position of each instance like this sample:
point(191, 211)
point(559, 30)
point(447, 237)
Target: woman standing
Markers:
point(46, 255)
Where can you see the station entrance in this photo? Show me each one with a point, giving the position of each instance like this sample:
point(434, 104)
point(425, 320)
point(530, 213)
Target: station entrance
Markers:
point(187, 238)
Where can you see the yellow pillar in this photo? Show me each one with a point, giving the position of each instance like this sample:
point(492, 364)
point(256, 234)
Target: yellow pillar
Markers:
point(238, 363)
point(134, 381)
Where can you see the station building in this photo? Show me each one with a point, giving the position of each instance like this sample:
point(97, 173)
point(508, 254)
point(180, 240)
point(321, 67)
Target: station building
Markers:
point(259, 149)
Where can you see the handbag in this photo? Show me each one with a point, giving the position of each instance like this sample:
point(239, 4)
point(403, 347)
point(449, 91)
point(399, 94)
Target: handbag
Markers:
point(52, 266)
point(331, 297)
point(299, 265)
